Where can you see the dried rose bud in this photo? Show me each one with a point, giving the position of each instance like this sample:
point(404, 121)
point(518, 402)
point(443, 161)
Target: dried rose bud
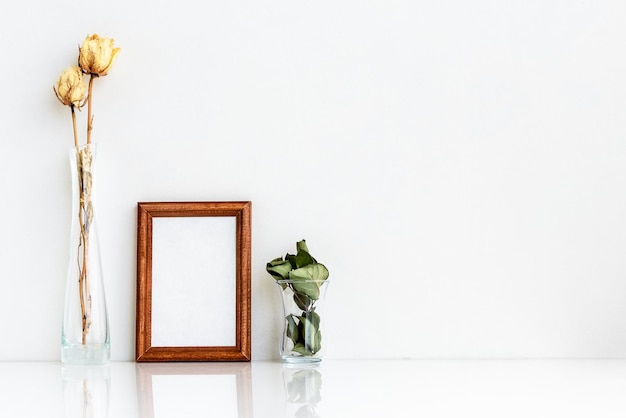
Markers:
point(70, 88)
point(97, 55)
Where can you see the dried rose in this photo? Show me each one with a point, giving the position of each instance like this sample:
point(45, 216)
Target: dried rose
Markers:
point(70, 88)
point(97, 55)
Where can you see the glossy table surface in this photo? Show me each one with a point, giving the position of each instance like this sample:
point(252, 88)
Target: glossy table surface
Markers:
point(350, 388)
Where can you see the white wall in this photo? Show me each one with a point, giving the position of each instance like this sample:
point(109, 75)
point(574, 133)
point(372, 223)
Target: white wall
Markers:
point(458, 166)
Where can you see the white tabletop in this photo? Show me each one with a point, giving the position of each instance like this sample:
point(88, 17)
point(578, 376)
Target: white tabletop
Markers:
point(351, 389)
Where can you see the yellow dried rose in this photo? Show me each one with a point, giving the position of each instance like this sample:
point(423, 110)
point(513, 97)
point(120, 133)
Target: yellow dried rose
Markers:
point(97, 55)
point(70, 88)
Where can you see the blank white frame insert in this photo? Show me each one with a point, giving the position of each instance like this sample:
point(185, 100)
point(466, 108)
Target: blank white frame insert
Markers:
point(194, 281)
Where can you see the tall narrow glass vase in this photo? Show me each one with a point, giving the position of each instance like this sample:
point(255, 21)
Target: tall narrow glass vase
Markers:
point(85, 333)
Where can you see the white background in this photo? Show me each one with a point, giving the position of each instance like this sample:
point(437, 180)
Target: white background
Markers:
point(457, 165)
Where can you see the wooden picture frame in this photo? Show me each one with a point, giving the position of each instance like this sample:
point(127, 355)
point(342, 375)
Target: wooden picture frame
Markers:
point(193, 281)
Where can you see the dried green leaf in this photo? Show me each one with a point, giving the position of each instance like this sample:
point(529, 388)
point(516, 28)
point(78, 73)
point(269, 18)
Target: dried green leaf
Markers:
point(309, 329)
point(279, 268)
point(292, 329)
point(301, 245)
point(303, 258)
point(306, 280)
point(306, 288)
point(302, 300)
point(301, 349)
point(292, 259)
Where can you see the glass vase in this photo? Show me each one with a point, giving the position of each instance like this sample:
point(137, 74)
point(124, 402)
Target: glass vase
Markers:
point(301, 339)
point(85, 331)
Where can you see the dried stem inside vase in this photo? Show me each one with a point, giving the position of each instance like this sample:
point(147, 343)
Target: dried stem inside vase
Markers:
point(84, 159)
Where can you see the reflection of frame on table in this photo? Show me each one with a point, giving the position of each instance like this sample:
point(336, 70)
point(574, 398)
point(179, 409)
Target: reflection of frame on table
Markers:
point(177, 244)
point(146, 372)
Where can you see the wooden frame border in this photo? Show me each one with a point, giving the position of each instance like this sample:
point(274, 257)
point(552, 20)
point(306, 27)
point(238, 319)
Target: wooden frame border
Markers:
point(146, 212)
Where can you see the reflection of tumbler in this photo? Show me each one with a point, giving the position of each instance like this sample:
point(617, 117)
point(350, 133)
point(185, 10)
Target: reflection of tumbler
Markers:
point(86, 391)
point(303, 387)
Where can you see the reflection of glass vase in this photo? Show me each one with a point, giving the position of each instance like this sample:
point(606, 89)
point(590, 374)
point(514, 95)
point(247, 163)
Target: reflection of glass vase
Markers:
point(86, 391)
point(303, 313)
point(85, 332)
point(303, 391)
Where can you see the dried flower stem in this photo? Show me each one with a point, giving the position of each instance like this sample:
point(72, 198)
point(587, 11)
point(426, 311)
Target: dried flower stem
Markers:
point(83, 284)
point(74, 125)
point(89, 108)
point(85, 213)
point(85, 218)
point(85, 294)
